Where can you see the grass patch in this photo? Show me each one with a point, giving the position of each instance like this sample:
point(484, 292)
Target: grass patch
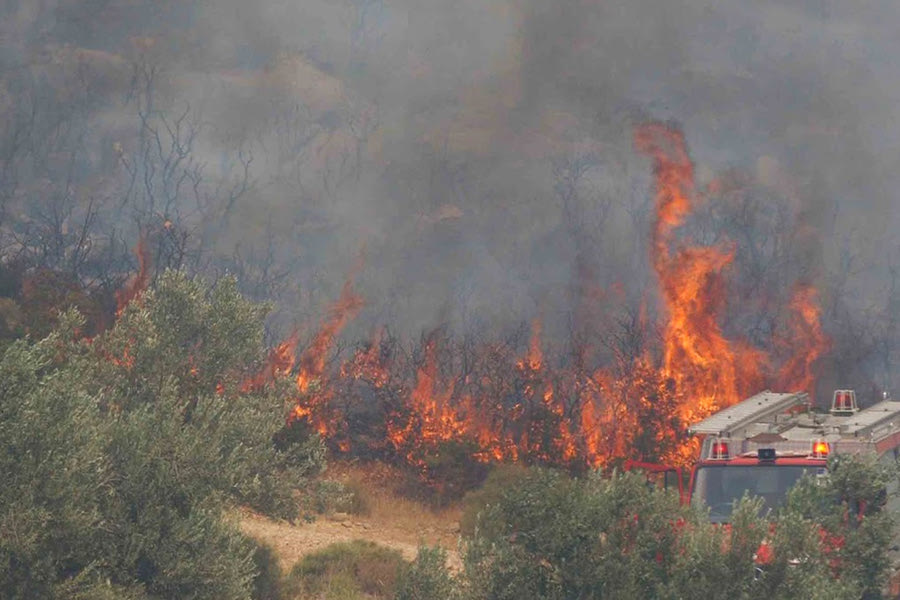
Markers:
point(346, 571)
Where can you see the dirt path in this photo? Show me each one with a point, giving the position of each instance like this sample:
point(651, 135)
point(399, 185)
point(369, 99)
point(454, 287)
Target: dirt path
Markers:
point(392, 521)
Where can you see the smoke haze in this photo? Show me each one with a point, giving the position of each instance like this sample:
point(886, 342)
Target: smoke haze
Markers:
point(478, 155)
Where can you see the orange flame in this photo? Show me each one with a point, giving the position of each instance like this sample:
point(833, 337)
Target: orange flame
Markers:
point(431, 415)
point(312, 361)
point(535, 359)
point(279, 363)
point(512, 407)
point(808, 340)
point(138, 283)
point(314, 404)
point(367, 364)
point(703, 363)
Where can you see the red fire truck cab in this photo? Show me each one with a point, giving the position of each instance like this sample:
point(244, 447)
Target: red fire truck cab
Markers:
point(763, 445)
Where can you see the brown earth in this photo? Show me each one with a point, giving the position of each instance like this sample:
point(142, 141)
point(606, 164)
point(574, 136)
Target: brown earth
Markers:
point(392, 521)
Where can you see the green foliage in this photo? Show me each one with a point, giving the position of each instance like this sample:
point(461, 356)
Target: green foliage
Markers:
point(121, 452)
point(427, 577)
point(549, 536)
point(349, 497)
point(179, 334)
point(267, 582)
point(54, 471)
point(500, 479)
point(848, 511)
point(346, 570)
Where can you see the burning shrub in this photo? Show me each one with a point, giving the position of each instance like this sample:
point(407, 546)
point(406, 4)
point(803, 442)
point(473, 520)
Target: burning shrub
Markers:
point(447, 471)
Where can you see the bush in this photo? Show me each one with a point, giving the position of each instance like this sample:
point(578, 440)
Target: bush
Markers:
point(426, 578)
point(347, 570)
point(349, 497)
point(267, 581)
point(553, 537)
point(446, 472)
point(500, 479)
point(121, 452)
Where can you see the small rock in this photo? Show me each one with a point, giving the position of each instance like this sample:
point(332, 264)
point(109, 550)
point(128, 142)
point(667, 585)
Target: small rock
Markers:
point(347, 524)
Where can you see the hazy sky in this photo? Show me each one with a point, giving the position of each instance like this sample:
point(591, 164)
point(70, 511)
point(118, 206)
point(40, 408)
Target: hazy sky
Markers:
point(429, 133)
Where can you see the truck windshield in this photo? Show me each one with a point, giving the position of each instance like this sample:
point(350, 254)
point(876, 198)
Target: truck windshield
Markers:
point(719, 487)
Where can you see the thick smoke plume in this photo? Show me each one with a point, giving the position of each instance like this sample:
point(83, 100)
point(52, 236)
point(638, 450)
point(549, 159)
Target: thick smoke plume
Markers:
point(478, 154)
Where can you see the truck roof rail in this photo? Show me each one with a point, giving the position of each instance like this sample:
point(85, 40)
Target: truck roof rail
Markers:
point(754, 409)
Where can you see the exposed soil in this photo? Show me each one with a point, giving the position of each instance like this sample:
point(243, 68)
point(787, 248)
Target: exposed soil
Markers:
point(392, 521)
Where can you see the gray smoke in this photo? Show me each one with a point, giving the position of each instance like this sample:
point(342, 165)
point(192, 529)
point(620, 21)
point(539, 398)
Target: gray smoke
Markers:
point(478, 153)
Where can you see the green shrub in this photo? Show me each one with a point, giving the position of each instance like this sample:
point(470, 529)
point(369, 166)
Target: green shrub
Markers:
point(500, 479)
point(551, 536)
point(357, 567)
point(349, 497)
point(426, 578)
point(446, 472)
point(267, 581)
point(122, 452)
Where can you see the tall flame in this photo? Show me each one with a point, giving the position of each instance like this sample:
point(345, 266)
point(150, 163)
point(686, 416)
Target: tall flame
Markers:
point(138, 283)
point(808, 340)
point(280, 362)
point(314, 405)
point(713, 371)
point(312, 361)
point(508, 406)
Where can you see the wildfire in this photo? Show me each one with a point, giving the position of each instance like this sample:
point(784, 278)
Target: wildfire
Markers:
point(312, 361)
point(808, 340)
point(314, 402)
point(138, 283)
point(510, 406)
point(431, 417)
point(280, 362)
point(535, 359)
point(712, 371)
point(367, 364)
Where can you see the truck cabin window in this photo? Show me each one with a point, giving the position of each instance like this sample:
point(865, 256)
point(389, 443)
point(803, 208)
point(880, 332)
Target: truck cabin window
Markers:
point(720, 487)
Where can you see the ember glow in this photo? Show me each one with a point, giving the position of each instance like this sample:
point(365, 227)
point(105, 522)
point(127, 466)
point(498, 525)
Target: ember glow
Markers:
point(504, 405)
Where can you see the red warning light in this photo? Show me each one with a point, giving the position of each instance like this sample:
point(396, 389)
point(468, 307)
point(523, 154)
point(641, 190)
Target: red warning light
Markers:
point(821, 449)
point(719, 450)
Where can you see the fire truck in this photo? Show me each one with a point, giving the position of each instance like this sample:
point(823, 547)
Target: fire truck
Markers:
point(763, 445)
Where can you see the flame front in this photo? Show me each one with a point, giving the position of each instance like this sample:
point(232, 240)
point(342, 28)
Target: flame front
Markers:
point(502, 406)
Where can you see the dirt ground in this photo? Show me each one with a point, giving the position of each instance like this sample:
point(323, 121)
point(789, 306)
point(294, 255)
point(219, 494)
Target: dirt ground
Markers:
point(392, 521)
